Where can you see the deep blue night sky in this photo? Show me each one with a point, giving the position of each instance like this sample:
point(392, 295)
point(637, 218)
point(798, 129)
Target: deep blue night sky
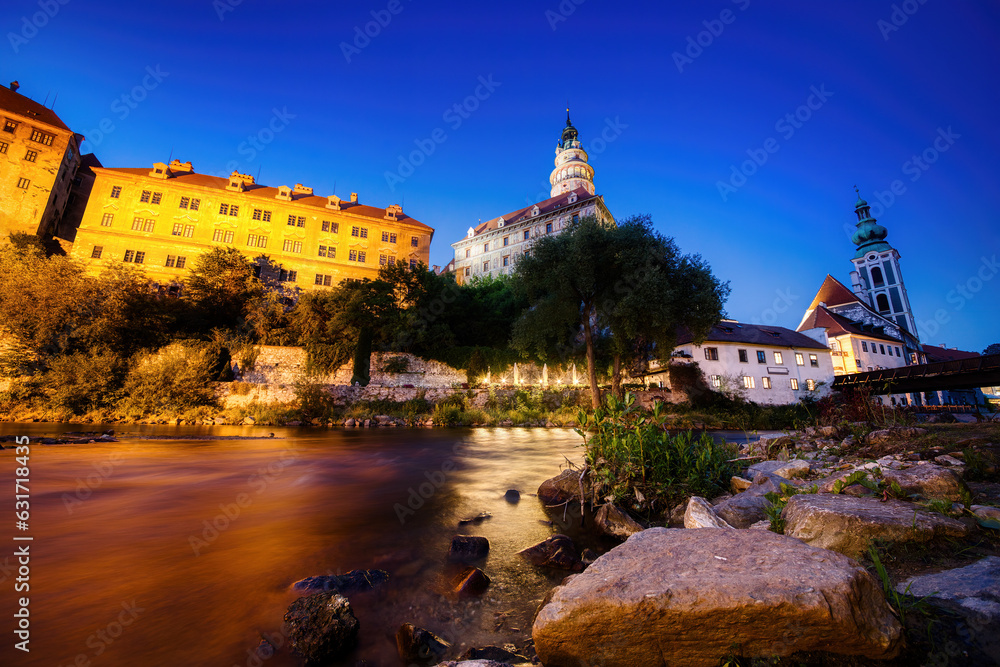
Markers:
point(677, 129)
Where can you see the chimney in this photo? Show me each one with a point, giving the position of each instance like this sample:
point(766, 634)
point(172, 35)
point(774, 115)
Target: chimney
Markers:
point(14, 85)
point(354, 197)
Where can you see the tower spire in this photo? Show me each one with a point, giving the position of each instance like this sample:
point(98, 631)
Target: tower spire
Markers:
point(572, 170)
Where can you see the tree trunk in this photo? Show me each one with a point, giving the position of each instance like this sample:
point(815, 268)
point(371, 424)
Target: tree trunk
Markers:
point(363, 358)
point(588, 337)
point(616, 378)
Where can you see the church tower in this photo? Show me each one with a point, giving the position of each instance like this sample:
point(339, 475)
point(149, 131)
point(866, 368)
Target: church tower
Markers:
point(572, 170)
point(877, 278)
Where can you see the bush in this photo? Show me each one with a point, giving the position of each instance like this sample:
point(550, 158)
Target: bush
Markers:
point(171, 381)
point(632, 455)
point(81, 382)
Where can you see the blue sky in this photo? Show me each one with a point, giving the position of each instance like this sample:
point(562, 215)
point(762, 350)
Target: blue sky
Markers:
point(683, 92)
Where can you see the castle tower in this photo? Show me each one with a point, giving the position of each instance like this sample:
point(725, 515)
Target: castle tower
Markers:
point(877, 277)
point(572, 170)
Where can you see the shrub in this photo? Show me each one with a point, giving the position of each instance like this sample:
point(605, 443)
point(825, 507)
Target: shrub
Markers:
point(82, 382)
point(173, 380)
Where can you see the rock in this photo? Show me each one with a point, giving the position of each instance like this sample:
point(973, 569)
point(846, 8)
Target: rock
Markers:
point(557, 551)
point(418, 646)
point(249, 421)
point(588, 556)
point(512, 496)
point(614, 522)
point(786, 469)
point(350, 423)
point(473, 663)
point(494, 653)
point(986, 512)
point(747, 508)
point(826, 484)
point(761, 525)
point(563, 488)
point(947, 460)
point(896, 433)
point(929, 480)
point(676, 517)
point(468, 548)
point(321, 627)
point(471, 582)
point(685, 597)
point(828, 432)
point(846, 524)
point(699, 514)
point(738, 484)
point(975, 587)
point(354, 581)
point(479, 518)
point(294, 422)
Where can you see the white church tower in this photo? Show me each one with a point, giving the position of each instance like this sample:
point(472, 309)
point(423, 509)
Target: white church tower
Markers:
point(572, 170)
point(877, 278)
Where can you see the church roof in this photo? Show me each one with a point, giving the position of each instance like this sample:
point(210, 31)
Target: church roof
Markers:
point(838, 325)
point(16, 103)
point(729, 331)
point(833, 293)
point(546, 206)
point(265, 194)
point(936, 353)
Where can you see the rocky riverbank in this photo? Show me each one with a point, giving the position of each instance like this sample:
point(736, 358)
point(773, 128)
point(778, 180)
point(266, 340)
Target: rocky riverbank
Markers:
point(829, 549)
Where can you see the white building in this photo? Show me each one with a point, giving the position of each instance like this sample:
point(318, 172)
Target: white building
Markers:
point(493, 247)
point(766, 364)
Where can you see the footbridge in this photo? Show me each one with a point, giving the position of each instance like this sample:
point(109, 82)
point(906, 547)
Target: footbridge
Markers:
point(938, 376)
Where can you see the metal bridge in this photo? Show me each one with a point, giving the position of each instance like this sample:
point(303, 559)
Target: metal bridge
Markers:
point(939, 376)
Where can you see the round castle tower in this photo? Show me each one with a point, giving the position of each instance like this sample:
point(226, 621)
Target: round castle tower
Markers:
point(572, 170)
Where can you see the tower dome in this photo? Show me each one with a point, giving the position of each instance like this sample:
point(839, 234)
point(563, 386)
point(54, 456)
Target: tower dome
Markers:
point(869, 236)
point(572, 170)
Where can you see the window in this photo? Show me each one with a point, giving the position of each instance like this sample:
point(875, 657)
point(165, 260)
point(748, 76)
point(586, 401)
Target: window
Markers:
point(262, 215)
point(116, 192)
point(9, 126)
point(882, 348)
point(712, 353)
point(778, 359)
point(188, 231)
point(292, 246)
point(234, 210)
point(864, 346)
point(140, 225)
point(31, 156)
point(136, 256)
point(765, 382)
point(486, 267)
point(195, 203)
point(382, 259)
point(811, 385)
point(145, 197)
point(323, 280)
point(327, 251)
point(331, 226)
point(184, 203)
point(486, 247)
point(761, 357)
point(181, 261)
point(107, 219)
point(882, 302)
point(171, 260)
point(795, 384)
point(287, 276)
point(392, 260)
point(799, 361)
point(748, 382)
point(23, 183)
point(506, 240)
point(858, 363)
point(298, 221)
point(743, 356)
point(717, 381)
point(548, 227)
point(178, 229)
point(352, 255)
point(388, 237)
point(157, 198)
point(415, 242)
point(898, 353)
point(96, 252)
point(3, 147)
point(468, 252)
point(576, 218)
point(360, 232)
point(527, 234)
point(814, 361)
point(361, 256)
point(222, 236)
point(890, 350)
point(223, 209)
point(129, 255)
point(506, 261)
point(42, 137)
point(257, 241)
point(468, 271)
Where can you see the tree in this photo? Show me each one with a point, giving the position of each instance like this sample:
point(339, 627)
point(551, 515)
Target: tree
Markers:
point(992, 349)
point(625, 289)
point(221, 288)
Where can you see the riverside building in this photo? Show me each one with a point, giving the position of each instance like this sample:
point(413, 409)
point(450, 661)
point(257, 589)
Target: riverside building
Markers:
point(163, 218)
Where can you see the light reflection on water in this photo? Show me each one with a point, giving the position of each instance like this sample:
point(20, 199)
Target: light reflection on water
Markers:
point(313, 502)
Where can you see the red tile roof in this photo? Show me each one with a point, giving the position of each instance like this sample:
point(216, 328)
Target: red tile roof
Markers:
point(935, 353)
point(16, 103)
point(834, 293)
point(753, 334)
point(266, 193)
point(547, 206)
point(838, 325)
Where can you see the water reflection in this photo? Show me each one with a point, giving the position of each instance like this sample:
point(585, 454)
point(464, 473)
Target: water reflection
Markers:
point(195, 543)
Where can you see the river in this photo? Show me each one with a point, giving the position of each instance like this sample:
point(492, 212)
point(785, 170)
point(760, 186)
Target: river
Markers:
point(181, 552)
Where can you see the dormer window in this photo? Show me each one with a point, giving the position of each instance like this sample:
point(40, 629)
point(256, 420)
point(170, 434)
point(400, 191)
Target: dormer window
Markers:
point(469, 234)
point(501, 222)
point(284, 193)
point(333, 202)
point(160, 171)
point(534, 210)
point(572, 198)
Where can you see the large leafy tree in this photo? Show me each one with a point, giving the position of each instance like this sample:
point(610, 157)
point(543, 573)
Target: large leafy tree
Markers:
point(625, 290)
point(992, 349)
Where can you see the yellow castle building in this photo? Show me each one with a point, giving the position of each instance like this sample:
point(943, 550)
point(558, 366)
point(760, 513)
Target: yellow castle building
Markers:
point(163, 218)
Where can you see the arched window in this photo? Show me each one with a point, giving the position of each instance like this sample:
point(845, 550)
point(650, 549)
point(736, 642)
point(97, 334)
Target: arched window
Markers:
point(883, 303)
point(877, 278)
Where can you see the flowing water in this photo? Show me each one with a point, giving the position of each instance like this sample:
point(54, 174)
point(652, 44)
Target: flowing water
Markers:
point(182, 551)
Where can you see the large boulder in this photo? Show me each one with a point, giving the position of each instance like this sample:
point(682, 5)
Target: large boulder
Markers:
point(747, 508)
point(494, 653)
point(471, 582)
point(563, 488)
point(687, 597)
point(322, 627)
point(929, 480)
point(787, 469)
point(557, 551)
point(847, 524)
point(466, 548)
point(354, 581)
point(418, 646)
point(700, 514)
point(615, 522)
point(975, 587)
